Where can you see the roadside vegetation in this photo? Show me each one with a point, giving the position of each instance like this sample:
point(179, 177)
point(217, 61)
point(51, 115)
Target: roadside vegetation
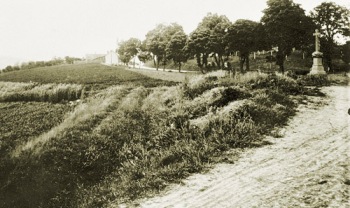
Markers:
point(89, 135)
point(126, 142)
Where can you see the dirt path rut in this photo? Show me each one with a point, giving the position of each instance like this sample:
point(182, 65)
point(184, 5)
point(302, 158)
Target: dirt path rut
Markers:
point(308, 167)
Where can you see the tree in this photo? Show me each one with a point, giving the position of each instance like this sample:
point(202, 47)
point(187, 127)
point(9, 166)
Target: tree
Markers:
point(8, 68)
point(155, 43)
point(243, 37)
point(128, 49)
point(210, 37)
point(176, 48)
point(346, 52)
point(332, 20)
point(157, 40)
point(142, 53)
point(70, 60)
point(286, 27)
point(199, 47)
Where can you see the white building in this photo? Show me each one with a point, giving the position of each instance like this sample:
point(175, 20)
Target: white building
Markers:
point(135, 62)
point(111, 58)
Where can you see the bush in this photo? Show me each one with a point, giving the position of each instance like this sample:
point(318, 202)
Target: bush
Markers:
point(211, 100)
point(197, 85)
point(280, 82)
point(314, 80)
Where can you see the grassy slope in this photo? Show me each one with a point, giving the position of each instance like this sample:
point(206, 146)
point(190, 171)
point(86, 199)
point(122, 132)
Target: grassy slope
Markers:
point(127, 141)
point(21, 121)
point(80, 74)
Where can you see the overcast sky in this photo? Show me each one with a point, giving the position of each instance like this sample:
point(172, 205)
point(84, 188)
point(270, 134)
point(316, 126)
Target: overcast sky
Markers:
point(43, 29)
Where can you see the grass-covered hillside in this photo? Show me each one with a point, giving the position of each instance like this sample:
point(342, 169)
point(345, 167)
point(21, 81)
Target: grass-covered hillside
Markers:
point(63, 146)
point(87, 74)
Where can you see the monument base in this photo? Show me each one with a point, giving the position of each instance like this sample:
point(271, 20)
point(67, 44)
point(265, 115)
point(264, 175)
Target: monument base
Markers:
point(317, 67)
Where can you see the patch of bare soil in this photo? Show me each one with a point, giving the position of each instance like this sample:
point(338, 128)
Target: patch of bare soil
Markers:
point(308, 167)
point(163, 75)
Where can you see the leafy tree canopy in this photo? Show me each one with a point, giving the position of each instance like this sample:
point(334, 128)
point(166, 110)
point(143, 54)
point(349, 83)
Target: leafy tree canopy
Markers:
point(176, 48)
point(210, 37)
point(332, 19)
point(217, 26)
point(243, 35)
point(346, 52)
point(127, 49)
point(285, 23)
point(286, 27)
point(157, 39)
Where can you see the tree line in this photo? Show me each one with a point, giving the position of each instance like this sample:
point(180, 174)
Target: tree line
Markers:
point(35, 64)
point(284, 26)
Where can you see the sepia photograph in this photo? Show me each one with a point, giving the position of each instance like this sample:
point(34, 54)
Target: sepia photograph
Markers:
point(174, 103)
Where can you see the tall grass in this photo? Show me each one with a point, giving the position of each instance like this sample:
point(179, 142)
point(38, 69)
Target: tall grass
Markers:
point(124, 143)
point(13, 92)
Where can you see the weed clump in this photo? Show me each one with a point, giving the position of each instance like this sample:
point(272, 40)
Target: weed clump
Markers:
point(314, 80)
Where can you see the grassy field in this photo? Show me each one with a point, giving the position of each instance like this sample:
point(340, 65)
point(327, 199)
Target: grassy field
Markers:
point(95, 136)
point(70, 148)
point(86, 74)
point(22, 121)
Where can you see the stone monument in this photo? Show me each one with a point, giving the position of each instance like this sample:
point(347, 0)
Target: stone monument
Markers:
point(317, 67)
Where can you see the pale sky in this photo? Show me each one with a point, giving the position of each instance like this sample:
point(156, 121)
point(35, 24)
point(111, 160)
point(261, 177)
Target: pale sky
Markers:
point(42, 29)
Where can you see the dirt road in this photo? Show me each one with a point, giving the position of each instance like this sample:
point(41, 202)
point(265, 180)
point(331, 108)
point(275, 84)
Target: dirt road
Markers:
point(308, 167)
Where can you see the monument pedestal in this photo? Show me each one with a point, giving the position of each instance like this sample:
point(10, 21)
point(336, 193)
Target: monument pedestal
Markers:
point(317, 67)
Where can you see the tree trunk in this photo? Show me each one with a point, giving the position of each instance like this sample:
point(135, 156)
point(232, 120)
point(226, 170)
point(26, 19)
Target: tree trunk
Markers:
point(179, 66)
point(247, 62)
point(205, 60)
point(280, 60)
point(241, 63)
point(328, 55)
point(199, 63)
point(155, 58)
point(221, 61)
point(217, 61)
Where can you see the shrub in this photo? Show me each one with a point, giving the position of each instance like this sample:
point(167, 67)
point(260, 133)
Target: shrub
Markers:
point(314, 80)
point(195, 86)
point(234, 130)
point(282, 83)
point(211, 100)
